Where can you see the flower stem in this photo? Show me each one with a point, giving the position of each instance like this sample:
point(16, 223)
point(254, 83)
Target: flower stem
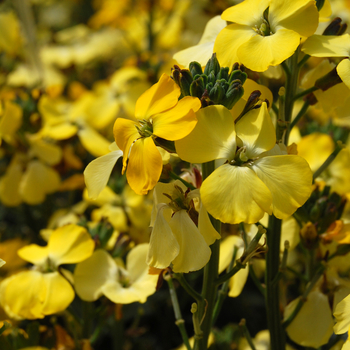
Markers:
point(273, 235)
point(178, 316)
point(211, 272)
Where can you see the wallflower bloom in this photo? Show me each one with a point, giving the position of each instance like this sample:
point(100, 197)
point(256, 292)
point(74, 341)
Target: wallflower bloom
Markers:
point(257, 177)
point(44, 291)
point(259, 39)
point(101, 275)
point(175, 238)
point(158, 114)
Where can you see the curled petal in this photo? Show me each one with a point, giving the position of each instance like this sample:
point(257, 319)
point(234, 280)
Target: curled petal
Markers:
point(163, 246)
point(194, 251)
point(145, 166)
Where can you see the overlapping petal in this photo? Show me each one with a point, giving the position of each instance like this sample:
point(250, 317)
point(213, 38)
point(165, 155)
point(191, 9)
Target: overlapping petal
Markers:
point(213, 137)
point(157, 99)
point(343, 70)
point(177, 122)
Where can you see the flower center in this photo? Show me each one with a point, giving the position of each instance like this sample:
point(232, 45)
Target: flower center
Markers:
point(240, 157)
point(145, 129)
point(263, 28)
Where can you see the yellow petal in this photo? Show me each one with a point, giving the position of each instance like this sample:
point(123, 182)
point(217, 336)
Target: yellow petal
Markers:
point(237, 282)
point(300, 16)
point(93, 142)
point(194, 251)
point(98, 171)
point(160, 97)
point(125, 133)
point(34, 254)
point(91, 274)
point(229, 40)
point(38, 181)
point(247, 12)
point(22, 295)
point(145, 166)
point(256, 131)
point(11, 119)
point(289, 178)
point(59, 293)
point(202, 52)
point(251, 85)
point(327, 46)
point(227, 247)
point(205, 226)
point(213, 137)
point(341, 313)
point(271, 50)
point(177, 122)
point(9, 184)
point(312, 326)
point(70, 244)
point(115, 215)
point(50, 153)
point(343, 70)
point(163, 246)
point(235, 194)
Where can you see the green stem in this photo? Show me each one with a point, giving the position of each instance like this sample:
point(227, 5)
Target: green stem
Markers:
point(186, 286)
point(303, 298)
point(328, 161)
point(305, 92)
point(178, 316)
point(177, 177)
point(273, 235)
point(246, 334)
point(256, 281)
point(211, 273)
point(224, 289)
point(299, 116)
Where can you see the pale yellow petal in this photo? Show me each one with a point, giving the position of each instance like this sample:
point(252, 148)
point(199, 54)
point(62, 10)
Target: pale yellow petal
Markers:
point(227, 247)
point(256, 131)
point(70, 244)
point(98, 171)
point(213, 137)
point(313, 325)
point(9, 184)
point(235, 194)
point(34, 254)
point(194, 251)
point(300, 16)
point(11, 119)
point(59, 293)
point(237, 282)
point(327, 46)
point(163, 246)
point(271, 50)
point(93, 273)
point(50, 153)
point(248, 12)
point(343, 70)
point(342, 315)
point(205, 226)
point(38, 181)
point(228, 42)
point(115, 215)
point(93, 142)
point(289, 178)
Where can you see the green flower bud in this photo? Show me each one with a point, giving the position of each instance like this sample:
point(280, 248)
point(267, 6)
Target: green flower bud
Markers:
point(233, 95)
point(195, 68)
point(223, 73)
point(197, 87)
point(212, 65)
point(238, 75)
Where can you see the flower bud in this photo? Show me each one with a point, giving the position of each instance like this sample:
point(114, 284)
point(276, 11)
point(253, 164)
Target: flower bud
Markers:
point(195, 68)
point(212, 65)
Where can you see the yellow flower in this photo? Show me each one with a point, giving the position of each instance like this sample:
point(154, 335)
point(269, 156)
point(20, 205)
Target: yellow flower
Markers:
point(259, 38)
point(101, 275)
point(257, 177)
point(44, 291)
point(175, 238)
point(331, 46)
point(158, 114)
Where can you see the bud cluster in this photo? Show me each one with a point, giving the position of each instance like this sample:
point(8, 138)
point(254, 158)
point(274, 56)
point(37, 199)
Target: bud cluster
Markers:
point(214, 86)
